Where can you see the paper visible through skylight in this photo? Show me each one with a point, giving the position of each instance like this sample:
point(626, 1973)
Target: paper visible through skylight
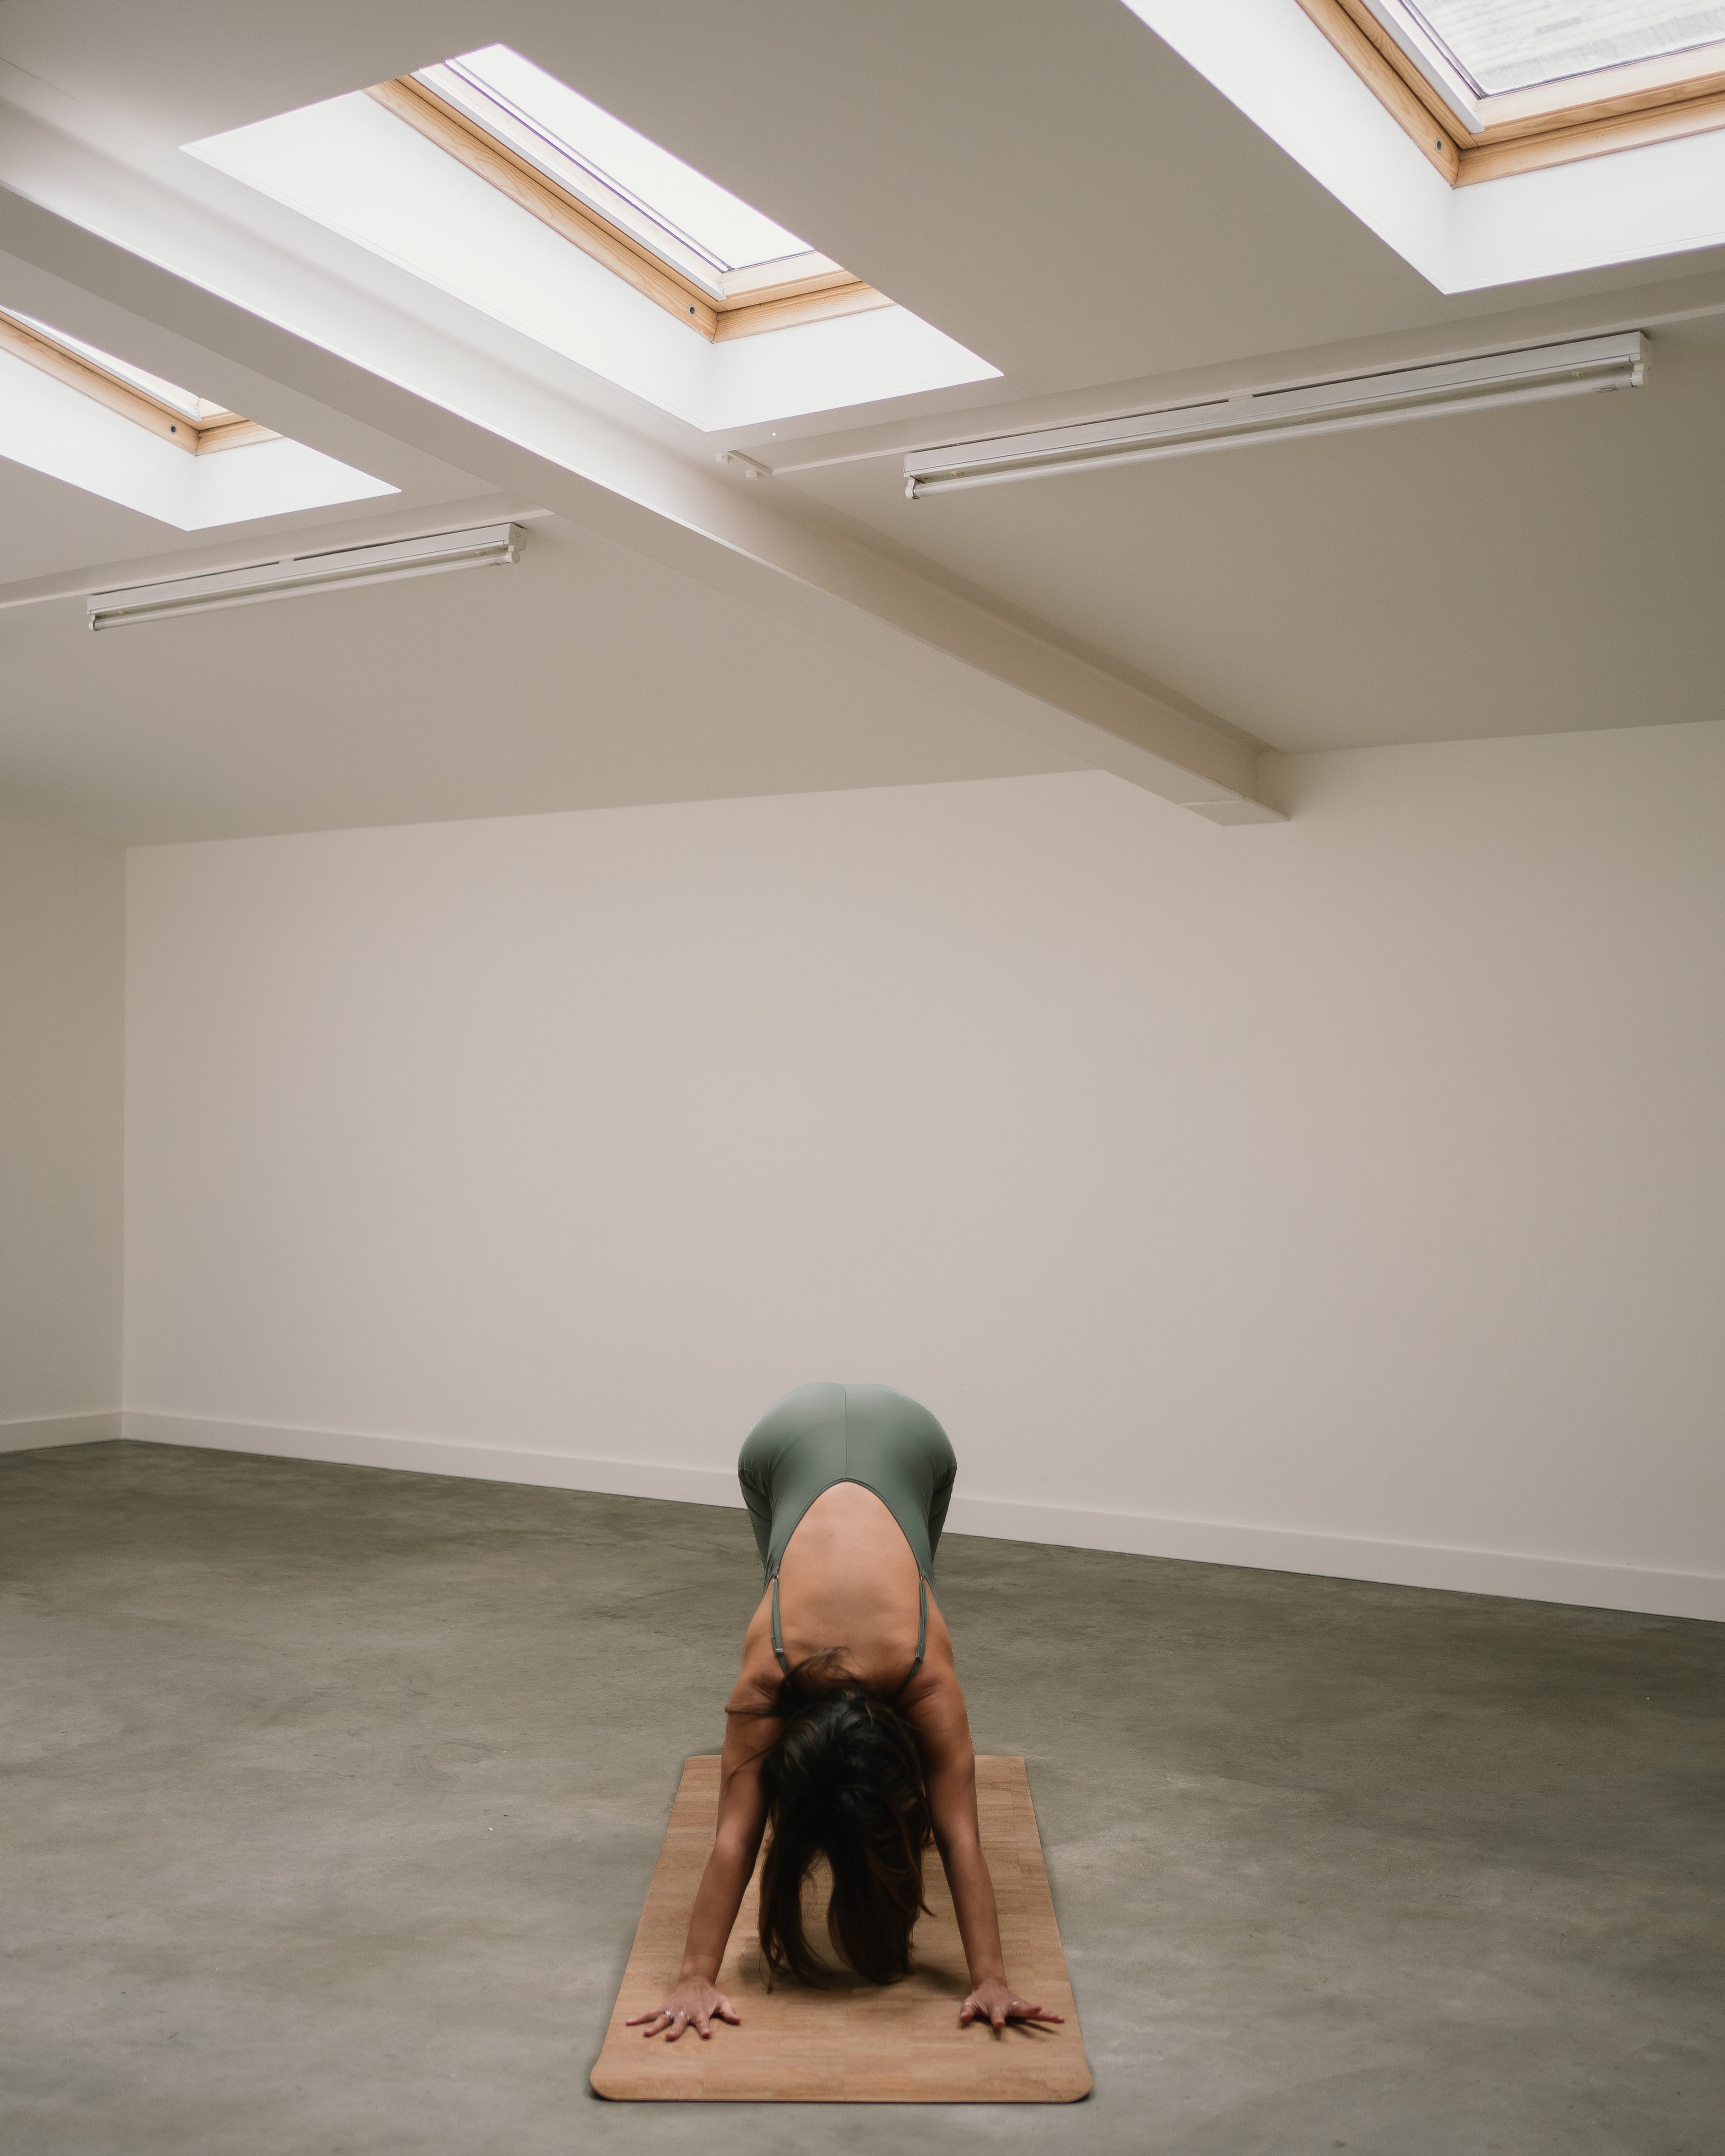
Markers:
point(639, 185)
point(1513, 44)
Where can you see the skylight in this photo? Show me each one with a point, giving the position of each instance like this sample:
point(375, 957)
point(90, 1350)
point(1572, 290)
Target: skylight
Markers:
point(1624, 164)
point(189, 422)
point(494, 182)
point(197, 408)
point(1489, 89)
point(720, 268)
point(668, 205)
point(1501, 45)
point(98, 422)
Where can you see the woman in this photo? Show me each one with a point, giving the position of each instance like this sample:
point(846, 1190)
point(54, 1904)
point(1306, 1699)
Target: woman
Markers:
point(847, 1732)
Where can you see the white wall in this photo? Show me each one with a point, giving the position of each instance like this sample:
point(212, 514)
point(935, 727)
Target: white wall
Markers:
point(62, 969)
point(1346, 1195)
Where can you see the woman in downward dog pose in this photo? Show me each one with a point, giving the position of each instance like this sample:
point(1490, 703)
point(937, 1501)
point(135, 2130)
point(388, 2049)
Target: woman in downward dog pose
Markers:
point(846, 1733)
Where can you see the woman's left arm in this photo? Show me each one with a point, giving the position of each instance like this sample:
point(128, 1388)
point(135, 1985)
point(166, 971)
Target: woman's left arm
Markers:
point(949, 1769)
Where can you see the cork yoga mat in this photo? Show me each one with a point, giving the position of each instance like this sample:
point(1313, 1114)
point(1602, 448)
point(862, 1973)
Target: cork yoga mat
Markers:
point(852, 2042)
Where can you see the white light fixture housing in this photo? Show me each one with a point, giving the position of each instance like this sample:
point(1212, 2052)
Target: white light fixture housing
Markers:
point(1316, 408)
point(483, 547)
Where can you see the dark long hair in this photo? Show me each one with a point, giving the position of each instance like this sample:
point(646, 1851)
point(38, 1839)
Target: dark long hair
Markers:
point(844, 1781)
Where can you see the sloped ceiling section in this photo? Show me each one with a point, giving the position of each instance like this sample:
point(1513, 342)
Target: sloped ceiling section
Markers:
point(1057, 190)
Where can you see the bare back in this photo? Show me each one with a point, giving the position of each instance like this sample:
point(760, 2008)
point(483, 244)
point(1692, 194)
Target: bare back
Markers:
point(848, 1580)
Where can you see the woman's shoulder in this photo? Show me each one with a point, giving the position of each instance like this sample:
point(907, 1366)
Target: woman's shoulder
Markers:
point(933, 1702)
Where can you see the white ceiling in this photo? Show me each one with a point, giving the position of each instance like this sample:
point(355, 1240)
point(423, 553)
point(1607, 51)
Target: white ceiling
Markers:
point(1533, 570)
point(1051, 187)
point(582, 677)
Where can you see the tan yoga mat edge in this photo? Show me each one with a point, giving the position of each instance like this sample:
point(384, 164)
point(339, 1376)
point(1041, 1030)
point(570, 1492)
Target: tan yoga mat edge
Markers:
point(853, 2043)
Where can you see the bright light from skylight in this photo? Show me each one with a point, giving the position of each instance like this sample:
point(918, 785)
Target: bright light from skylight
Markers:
point(153, 385)
point(640, 185)
point(558, 264)
point(1513, 44)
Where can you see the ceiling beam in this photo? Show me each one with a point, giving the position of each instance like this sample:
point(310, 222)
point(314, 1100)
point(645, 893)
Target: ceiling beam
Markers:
point(327, 321)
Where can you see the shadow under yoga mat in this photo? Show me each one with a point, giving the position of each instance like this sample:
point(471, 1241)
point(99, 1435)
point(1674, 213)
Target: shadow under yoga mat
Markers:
point(852, 2042)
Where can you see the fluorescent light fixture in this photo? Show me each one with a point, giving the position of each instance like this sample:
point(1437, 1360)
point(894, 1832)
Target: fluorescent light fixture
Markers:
point(1317, 408)
point(489, 545)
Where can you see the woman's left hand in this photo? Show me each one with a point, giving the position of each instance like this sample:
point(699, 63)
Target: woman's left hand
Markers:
point(997, 2003)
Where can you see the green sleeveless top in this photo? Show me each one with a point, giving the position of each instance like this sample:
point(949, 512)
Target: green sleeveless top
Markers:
point(820, 1435)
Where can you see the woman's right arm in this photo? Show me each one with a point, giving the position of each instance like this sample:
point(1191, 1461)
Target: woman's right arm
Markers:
point(695, 2000)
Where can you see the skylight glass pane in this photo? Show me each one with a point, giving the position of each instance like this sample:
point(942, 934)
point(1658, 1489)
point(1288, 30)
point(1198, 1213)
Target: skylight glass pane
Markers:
point(1514, 44)
point(153, 385)
point(691, 206)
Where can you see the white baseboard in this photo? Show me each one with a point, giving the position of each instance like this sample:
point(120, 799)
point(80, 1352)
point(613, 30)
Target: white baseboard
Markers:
point(30, 1434)
point(1523, 1578)
point(429, 1456)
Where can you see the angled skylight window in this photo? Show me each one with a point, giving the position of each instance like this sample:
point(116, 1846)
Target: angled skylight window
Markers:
point(529, 202)
point(1491, 87)
point(676, 211)
point(98, 422)
point(684, 242)
point(1514, 44)
point(192, 423)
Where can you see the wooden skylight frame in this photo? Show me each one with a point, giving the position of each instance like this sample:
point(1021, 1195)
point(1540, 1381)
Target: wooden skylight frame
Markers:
point(773, 295)
point(198, 436)
point(1525, 130)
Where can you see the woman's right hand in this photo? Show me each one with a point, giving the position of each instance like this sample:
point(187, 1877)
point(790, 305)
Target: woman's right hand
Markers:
point(694, 2004)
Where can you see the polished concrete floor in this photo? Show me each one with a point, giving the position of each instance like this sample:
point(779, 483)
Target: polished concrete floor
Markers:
point(330, 1795)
